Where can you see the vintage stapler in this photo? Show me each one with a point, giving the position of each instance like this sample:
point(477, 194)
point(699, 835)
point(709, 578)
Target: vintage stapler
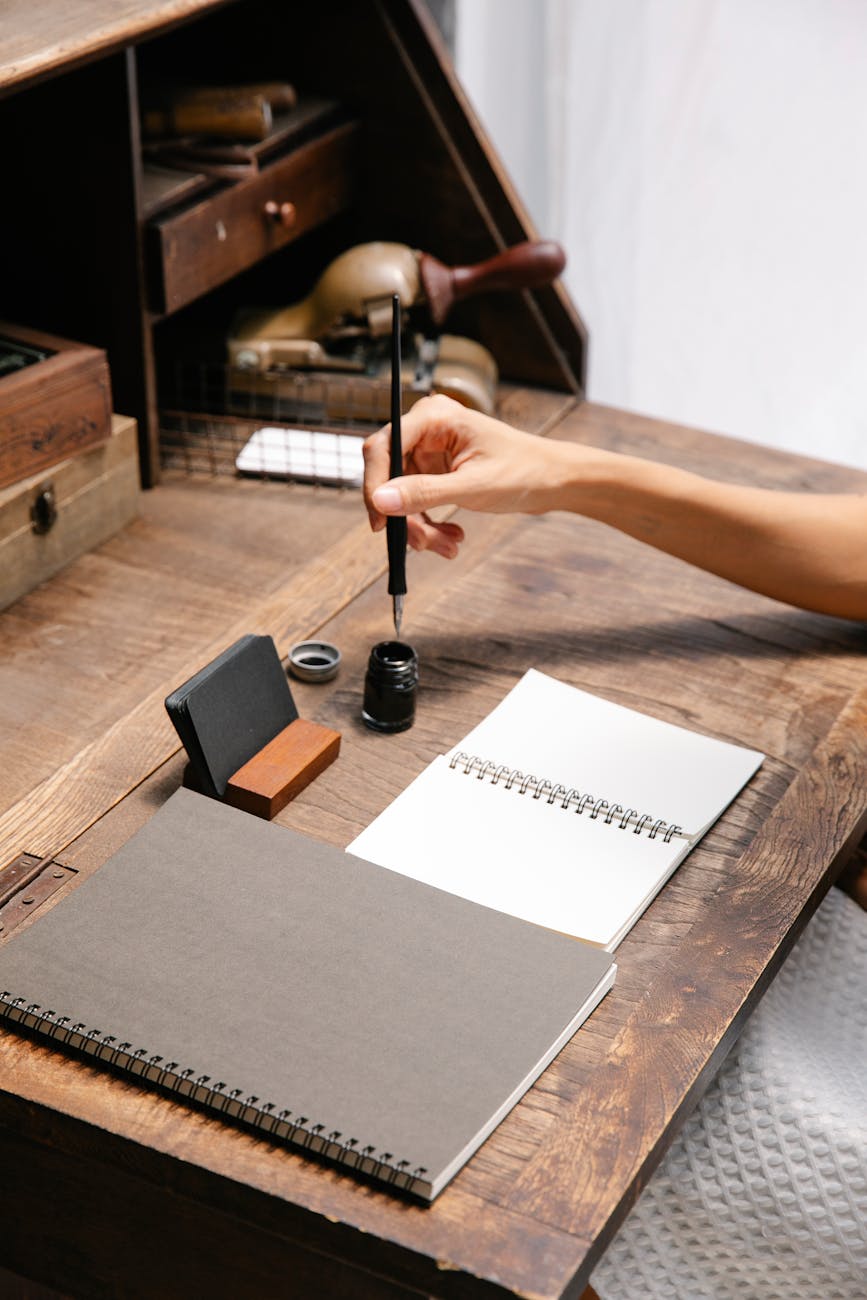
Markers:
point(336, 340)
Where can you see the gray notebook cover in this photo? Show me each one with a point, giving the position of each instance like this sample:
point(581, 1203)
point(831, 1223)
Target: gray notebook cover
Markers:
point(334, 1004)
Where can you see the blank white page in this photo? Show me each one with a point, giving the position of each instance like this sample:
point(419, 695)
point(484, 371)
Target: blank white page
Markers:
point(573, 738)
point(520, 855)
point(541, 862)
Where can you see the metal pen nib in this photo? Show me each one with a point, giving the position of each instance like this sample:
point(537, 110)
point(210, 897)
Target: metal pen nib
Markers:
point(397, 606)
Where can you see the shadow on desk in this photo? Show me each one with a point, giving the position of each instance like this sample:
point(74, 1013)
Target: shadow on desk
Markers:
point(753, 637)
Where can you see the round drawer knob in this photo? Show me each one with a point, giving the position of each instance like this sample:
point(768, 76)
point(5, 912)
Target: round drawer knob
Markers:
point(283, 214)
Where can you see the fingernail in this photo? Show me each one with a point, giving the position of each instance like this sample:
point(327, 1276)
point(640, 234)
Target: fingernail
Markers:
point(387, 498)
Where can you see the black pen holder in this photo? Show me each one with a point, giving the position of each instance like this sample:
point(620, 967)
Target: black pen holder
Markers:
point(390, 687)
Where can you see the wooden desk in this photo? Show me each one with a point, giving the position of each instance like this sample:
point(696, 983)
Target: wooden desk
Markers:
point(112, 1190)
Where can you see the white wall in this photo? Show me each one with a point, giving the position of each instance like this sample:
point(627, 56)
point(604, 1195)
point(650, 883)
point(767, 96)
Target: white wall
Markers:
point(705, 164)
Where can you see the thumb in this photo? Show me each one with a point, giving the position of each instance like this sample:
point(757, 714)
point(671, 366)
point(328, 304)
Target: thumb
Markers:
point(413, 493)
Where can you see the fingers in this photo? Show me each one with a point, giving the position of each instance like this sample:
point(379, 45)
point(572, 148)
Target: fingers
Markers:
point(433, 421)
point(414, 493)
point(428, 432)
point(424, 534)
point(376, 452)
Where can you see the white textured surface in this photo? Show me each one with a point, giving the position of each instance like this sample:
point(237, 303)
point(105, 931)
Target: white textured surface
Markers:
point(764, 1194)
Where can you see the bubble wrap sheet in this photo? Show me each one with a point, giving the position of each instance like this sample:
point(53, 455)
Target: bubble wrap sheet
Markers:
point(763, 1196)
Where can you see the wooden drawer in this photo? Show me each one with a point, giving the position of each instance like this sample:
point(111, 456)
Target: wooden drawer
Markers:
point(203, 246)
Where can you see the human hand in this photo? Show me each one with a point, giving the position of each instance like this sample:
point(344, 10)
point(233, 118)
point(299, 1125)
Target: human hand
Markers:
point(456, 456)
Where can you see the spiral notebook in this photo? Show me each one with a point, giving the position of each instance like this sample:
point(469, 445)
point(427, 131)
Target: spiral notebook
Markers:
point(562, 808)
point(283, 984)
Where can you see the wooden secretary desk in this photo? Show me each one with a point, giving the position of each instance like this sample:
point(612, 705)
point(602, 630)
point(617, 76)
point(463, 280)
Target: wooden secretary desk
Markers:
point(111, 1190)
point(106, 249)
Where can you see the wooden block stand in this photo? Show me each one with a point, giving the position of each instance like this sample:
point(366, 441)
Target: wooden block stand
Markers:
point(282, 769)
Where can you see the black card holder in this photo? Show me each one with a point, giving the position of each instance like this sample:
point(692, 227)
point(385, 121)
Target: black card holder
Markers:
point(230, 709)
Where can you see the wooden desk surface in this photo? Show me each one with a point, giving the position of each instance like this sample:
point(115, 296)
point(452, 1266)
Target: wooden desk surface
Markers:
point(56, 36)
point(119, 1168)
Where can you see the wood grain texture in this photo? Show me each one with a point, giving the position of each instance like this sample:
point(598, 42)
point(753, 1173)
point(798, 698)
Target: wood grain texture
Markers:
point(99, 774)
point(94, 494)
point(64, 36)
point(25, 884)
point(283, 768)
point(207, 243)
point(530, 1212)
point(247, 1260)
point(124, 625)
point(126, 620)
point(54, 408)
point(728, 956)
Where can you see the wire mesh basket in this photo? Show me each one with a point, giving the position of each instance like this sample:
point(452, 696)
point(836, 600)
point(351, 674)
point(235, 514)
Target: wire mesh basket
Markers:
point(216, 419)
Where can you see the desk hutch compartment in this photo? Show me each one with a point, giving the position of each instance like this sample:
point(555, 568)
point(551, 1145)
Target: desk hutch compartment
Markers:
point(203, 245)
point(157, 277)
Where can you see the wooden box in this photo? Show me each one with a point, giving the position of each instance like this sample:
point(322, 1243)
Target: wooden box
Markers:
point(52, 408)
point(49, 519)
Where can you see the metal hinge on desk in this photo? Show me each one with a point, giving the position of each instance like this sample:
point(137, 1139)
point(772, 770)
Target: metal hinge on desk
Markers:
point(25, 882)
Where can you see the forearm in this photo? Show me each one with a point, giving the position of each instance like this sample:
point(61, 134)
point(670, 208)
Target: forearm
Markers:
point(807, 549)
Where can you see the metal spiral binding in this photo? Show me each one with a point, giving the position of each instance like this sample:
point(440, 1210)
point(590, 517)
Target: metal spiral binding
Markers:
point(297, 1130)
point(512, 779)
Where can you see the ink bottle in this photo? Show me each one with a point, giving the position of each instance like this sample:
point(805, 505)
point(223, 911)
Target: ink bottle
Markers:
point(390, 687)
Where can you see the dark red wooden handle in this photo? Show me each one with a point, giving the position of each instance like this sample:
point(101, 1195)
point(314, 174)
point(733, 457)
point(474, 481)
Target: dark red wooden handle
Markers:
point(525, 266)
